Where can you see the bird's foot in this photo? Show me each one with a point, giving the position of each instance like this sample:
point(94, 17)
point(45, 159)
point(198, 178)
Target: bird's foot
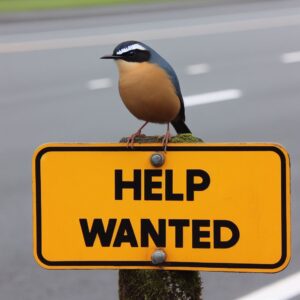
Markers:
point(130, 139)
point(166, 138)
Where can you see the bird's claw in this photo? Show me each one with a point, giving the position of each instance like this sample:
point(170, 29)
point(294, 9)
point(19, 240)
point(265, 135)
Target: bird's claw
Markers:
point(130, 139)
point(165, 140)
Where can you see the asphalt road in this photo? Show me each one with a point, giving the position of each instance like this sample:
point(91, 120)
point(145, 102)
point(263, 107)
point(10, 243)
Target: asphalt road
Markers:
point(50, 91)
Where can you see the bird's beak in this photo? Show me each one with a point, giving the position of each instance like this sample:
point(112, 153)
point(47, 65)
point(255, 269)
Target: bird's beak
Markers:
point(110, 57)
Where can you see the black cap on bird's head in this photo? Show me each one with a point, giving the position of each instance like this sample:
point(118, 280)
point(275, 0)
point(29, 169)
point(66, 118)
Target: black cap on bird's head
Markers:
point(131, 51)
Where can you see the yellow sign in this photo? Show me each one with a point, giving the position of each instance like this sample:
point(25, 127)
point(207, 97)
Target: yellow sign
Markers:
point(217, 207)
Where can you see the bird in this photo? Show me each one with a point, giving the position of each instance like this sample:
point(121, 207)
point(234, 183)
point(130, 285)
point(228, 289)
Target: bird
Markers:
point(149, 88)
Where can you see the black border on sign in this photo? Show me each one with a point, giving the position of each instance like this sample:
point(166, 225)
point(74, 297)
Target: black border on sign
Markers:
point(201, 148)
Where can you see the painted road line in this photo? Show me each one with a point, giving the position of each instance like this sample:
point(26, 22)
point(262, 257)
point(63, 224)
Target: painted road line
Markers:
point(217, 96)
point(290, 57)
point(98, 84)
point(197, 69)
point(151, 34)
point(283, 289)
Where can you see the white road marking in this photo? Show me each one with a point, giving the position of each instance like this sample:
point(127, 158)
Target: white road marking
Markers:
point(151, 34)
point(284, 289)
point(291, 57)
point(217, 96)
point(197, 69)
point(97, 84)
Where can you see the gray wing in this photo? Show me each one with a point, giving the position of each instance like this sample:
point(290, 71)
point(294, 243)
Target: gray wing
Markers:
point(157, 59)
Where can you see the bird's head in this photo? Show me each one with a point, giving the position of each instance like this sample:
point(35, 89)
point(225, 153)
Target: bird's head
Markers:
point(131, 52)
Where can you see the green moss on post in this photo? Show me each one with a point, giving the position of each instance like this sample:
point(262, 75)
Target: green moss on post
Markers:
point(160, 284)
point(185, 138)
point(180, 138)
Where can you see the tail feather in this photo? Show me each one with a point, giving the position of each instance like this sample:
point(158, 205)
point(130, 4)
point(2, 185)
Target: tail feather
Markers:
point(180, 126)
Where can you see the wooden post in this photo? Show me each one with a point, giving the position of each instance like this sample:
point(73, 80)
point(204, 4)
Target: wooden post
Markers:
point(160, 284)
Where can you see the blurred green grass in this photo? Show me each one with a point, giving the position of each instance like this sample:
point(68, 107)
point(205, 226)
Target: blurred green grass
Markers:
point(30, 5)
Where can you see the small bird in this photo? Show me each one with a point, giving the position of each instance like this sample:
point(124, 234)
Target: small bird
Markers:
point(149, 88)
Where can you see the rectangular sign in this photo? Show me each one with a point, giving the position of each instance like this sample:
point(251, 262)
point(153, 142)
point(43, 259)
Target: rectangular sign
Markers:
point(213, 207)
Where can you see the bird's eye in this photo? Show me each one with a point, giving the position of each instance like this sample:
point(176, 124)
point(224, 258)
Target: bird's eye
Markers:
point(131, 53)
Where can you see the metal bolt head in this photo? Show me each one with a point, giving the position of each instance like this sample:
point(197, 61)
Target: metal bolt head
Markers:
point(157, 159)
point(158, 257)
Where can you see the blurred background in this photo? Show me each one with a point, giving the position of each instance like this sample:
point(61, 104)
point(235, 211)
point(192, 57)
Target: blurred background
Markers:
point(239, 59)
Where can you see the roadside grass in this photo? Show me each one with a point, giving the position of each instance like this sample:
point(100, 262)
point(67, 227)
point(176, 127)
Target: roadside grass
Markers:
point(30, 5)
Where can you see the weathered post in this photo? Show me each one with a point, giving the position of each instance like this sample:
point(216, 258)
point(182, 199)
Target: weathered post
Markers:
point(160, 284)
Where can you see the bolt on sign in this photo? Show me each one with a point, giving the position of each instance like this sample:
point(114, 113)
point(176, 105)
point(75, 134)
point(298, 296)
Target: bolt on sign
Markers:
point(212, 207)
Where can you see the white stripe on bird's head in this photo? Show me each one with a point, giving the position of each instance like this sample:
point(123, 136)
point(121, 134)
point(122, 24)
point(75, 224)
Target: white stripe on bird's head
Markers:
point(130, 48)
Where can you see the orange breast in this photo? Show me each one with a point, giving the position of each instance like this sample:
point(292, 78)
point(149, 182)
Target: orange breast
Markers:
point(147, 92)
